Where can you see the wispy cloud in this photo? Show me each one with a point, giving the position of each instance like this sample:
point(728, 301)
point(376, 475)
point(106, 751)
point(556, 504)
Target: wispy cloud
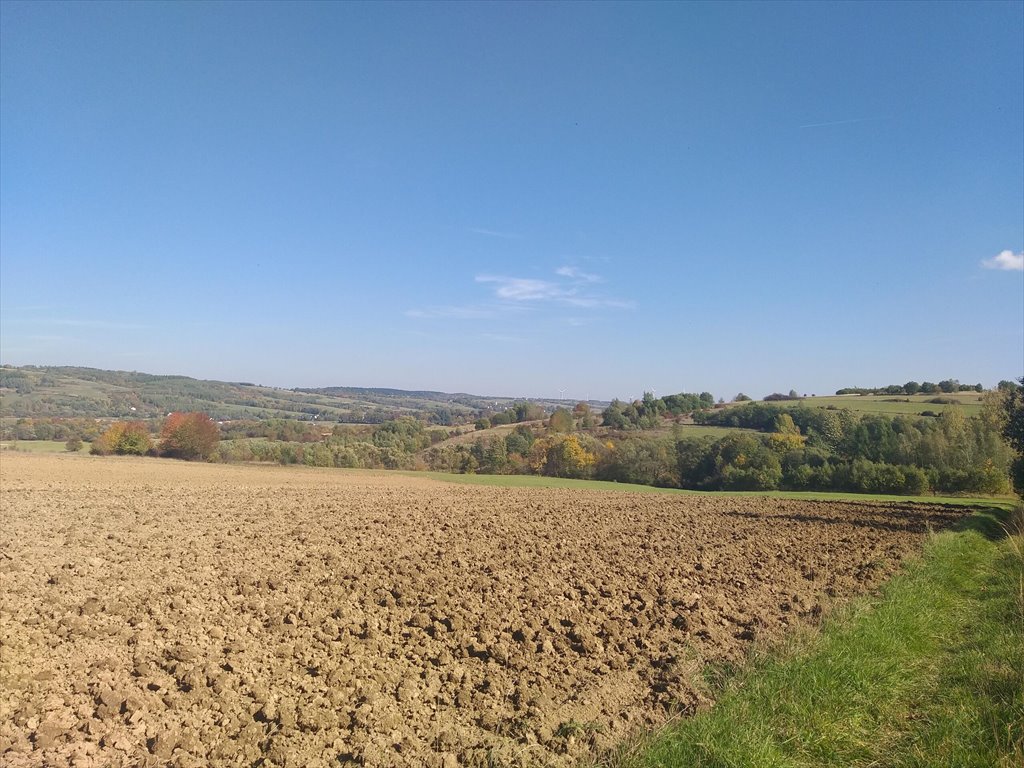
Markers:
point(1007, 260)
point(575, 273)
point(571, 287)
point(524, 288)
point(495, 233)
point(843, 122)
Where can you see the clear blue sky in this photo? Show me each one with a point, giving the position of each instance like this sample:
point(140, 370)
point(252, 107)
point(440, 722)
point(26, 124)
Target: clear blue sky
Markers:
point(515, 199)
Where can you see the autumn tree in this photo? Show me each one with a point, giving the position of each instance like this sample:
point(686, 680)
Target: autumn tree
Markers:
point(191, 436)
point(568, 458)
point(785, 434)
point(125, 438)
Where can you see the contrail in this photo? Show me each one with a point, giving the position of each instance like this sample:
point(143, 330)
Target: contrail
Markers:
point(842, 122)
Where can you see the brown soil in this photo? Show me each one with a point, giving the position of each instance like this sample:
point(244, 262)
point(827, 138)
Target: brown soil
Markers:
point(163, 613)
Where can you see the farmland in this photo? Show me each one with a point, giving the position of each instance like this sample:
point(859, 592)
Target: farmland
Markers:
point(890, 405)
point(165, 613)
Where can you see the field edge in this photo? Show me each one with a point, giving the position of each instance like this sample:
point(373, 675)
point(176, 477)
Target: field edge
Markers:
point(928, 672)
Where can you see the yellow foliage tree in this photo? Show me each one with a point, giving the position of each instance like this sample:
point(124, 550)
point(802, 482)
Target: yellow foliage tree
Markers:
point(567, 458)
point(123, 437)
point(786, 435)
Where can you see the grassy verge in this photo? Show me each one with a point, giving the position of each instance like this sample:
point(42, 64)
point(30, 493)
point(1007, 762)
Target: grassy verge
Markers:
point(539, 481)
point(929, 674)
point(39, 446)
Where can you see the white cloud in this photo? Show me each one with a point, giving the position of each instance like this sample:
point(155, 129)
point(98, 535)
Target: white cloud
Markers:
point(528, 294)
point(524, 288)
point(1006, 260)
point(575, 291)
point(495, 233)
point(575, 273)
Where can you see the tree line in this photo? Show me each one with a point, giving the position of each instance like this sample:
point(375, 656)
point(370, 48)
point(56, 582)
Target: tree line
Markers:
point(947, 386)
point(777, 445)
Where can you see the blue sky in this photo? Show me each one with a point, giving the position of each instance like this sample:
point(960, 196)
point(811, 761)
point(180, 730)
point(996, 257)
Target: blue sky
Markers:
point(515, 199)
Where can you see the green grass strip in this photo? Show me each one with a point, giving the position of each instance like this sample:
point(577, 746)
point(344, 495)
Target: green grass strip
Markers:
point(929, 674)
point(541, 481)
point(38, 446)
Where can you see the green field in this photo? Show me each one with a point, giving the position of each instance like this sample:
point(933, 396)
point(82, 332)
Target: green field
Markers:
point(39, 446)
point(968, 402)
point(540, 481)
point(931, 673)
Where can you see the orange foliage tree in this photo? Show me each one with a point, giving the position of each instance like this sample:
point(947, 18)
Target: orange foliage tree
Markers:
point(189, 436)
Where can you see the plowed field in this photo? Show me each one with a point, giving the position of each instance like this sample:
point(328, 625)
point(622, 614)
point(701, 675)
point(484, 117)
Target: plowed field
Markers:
point(163, 613)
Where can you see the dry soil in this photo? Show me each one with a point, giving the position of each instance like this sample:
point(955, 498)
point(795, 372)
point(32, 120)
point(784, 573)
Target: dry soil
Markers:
point(162, 613)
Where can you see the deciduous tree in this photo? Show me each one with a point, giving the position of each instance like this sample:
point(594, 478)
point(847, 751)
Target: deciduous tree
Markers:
point(125, 438)
point(191, 436)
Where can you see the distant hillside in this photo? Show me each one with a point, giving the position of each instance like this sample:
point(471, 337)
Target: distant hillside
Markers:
point(62, 391)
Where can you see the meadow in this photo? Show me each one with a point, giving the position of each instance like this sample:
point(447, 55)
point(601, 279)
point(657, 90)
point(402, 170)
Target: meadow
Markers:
point(890, 405)
point(38, 446)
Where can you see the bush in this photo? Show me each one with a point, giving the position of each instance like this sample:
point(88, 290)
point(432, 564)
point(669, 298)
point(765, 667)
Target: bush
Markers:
point(915, 481)
point(73, 445)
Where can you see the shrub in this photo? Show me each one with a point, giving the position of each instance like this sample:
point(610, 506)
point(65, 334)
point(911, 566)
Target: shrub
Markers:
point(915, 481)
point(73, 445)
